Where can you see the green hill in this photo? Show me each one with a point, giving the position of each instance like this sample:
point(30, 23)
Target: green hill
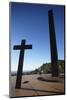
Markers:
point(46, 68)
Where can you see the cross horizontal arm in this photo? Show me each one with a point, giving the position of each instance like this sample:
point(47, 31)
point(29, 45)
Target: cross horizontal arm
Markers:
point(18, 47)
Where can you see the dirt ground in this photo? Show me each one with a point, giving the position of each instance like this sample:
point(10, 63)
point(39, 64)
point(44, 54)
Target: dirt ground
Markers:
point(37, 85)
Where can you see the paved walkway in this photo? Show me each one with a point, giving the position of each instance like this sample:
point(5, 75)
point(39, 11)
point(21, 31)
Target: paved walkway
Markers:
point(37, 85)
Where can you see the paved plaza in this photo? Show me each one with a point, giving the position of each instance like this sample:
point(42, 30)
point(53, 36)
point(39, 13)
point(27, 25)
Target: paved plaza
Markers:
point(37, 85)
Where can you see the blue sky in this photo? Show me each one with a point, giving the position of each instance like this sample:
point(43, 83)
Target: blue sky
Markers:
point(30, 22)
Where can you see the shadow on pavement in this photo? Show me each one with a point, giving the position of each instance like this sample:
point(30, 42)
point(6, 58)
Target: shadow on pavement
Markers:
point(39, 90)
point(48, 80)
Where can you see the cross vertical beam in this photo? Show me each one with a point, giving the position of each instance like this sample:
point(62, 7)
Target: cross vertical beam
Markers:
point(21, 60)
point(20, 67)
point(53, 46)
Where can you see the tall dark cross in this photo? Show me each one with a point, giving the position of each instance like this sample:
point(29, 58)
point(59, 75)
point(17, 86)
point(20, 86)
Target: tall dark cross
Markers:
point(53, 46)
point(22, 48)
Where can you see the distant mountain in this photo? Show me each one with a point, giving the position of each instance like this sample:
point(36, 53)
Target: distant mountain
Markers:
point(45, 68)
point(24, 73)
